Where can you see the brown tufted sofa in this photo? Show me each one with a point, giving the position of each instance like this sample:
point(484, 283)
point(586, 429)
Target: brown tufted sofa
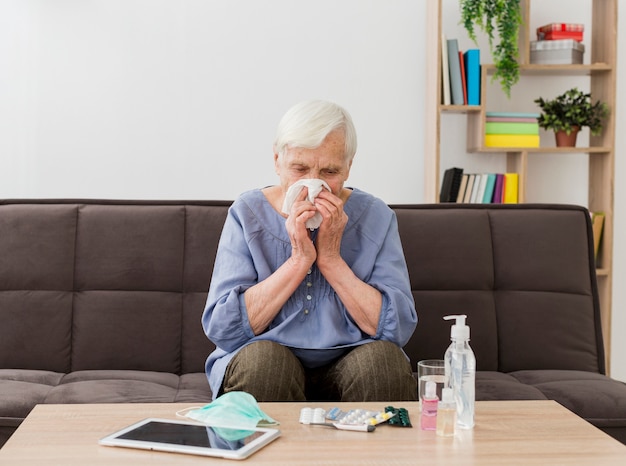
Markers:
point(100, 301)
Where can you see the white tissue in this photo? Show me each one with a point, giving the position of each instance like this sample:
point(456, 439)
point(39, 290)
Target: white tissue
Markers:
point(314, 185)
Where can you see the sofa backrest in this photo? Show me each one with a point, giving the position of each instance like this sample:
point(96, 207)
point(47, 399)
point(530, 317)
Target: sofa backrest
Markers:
point(523, 274)
point(122, 284)
point(106, 284)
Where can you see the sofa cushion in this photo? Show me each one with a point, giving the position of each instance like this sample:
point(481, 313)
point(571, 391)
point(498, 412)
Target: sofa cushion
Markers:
point(21, 390)
point(138, 330)
point(494, 386)
point(595, 397)
point(35, 329)
point(113, 386)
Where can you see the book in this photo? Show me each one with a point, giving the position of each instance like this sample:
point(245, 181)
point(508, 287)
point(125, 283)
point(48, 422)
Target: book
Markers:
point(472, 75)
point(461, 194)
point(479, 188)
point(456, 86)
point(597, 225)
point(445, 73)
point(513, 115)
point(451, 184)
point(511, 181)
point(512, 140)
point(498, 189)
point(511, 120)
point(490, 185)
point(470, 188)
point(511, 128)
point(463, 77)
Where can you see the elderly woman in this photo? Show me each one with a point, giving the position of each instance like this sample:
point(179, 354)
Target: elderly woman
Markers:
point(310, 295)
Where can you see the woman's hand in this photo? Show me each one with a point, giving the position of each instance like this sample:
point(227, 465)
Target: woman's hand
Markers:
point(302, 248)
point(328, 242)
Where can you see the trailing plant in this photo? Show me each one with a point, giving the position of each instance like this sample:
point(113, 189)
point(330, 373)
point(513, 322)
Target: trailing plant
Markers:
point(570, 109)
point(505, 17)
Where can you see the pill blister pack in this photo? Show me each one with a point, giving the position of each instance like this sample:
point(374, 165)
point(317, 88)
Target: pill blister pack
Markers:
point(350, 417)
point(361, 416)
point(400, 418)
point(312, 416)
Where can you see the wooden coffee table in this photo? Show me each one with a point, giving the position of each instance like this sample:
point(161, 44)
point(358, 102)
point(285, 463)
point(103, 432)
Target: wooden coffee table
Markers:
point(506, 432)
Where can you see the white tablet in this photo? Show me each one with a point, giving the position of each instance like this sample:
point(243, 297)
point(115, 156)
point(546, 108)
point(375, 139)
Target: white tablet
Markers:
point(182, 436)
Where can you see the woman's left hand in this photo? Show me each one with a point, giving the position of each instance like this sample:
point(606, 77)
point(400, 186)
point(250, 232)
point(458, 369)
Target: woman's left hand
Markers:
point(331, 230)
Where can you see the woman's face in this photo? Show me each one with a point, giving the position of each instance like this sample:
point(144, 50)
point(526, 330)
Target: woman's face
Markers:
point(327, 162)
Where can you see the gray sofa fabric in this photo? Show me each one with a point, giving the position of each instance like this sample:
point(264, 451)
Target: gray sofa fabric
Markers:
point(100, 302)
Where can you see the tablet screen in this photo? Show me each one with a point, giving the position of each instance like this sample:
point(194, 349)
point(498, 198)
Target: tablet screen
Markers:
point(192, 438)
point(188, 434)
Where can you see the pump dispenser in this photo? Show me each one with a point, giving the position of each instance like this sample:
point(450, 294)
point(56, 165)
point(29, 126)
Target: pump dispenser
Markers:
point(460, 369)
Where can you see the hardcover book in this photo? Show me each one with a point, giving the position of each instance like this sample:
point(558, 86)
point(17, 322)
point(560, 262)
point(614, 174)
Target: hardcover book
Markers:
point(462, 188)
point(467, 197)
point(456, 84)
point(493, 127)
point(511, 182)
point(511, 140)
point(490, 185)
point(463, 77)
point(597, 223)
point(451, 184)
point(445, 73)
point(497, 193)
point(472, 74)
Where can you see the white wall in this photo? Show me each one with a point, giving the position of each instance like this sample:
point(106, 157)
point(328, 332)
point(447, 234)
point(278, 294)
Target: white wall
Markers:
point(167, 99)
point(180, 99)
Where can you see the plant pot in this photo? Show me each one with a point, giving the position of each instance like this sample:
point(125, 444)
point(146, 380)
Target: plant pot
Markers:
point(566, 140)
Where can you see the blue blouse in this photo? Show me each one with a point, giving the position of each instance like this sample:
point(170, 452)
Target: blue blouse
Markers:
point(313, 323)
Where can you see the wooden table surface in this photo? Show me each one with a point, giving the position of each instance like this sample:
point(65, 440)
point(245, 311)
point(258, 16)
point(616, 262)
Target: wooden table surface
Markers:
point(506, 432)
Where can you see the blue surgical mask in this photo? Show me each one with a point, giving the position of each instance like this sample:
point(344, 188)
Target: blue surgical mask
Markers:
point(232, 409)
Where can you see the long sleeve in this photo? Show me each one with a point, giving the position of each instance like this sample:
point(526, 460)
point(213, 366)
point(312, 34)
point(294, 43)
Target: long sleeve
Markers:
point(314, 323)
point(225, 320)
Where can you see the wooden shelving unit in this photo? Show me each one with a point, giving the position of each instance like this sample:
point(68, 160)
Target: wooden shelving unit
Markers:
point(602, 85)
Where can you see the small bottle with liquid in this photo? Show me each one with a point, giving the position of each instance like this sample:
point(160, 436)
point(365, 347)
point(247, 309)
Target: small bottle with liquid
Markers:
point(446, 414)
point(428, 419)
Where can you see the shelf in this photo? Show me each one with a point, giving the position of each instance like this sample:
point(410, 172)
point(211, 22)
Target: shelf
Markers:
point(460, 108)
point(601, 45)
point(557, 70)
point(545, 150)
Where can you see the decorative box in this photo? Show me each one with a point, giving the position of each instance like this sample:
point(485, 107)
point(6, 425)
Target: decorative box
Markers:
point(558, 31)
point(556, 52)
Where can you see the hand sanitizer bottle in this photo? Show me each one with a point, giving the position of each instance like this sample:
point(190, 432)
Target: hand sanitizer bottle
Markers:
point(460, 369)
point(446, 414)
point(428, 419)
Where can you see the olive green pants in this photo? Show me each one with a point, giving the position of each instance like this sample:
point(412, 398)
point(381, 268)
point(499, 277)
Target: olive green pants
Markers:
point(377, 371)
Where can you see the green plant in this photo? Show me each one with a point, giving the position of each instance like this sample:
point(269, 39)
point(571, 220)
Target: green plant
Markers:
point(505, 17)
point(572, 108)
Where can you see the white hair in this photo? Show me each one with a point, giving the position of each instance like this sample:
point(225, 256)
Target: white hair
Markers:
point(308, 123)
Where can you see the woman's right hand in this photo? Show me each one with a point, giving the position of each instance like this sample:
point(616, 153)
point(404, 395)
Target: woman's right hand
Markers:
point(302, 248)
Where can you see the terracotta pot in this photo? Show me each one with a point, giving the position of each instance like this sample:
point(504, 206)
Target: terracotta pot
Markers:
point(566, 140)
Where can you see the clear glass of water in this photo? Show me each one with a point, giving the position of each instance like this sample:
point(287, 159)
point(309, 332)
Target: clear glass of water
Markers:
point(431, 370)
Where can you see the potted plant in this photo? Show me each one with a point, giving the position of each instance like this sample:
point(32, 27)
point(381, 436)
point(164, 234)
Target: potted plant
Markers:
point(505, 17)
point(569, 112)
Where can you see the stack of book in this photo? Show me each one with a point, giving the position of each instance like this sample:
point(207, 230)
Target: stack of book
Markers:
point(512, 129)
point(479, 188)
point(461, 74)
